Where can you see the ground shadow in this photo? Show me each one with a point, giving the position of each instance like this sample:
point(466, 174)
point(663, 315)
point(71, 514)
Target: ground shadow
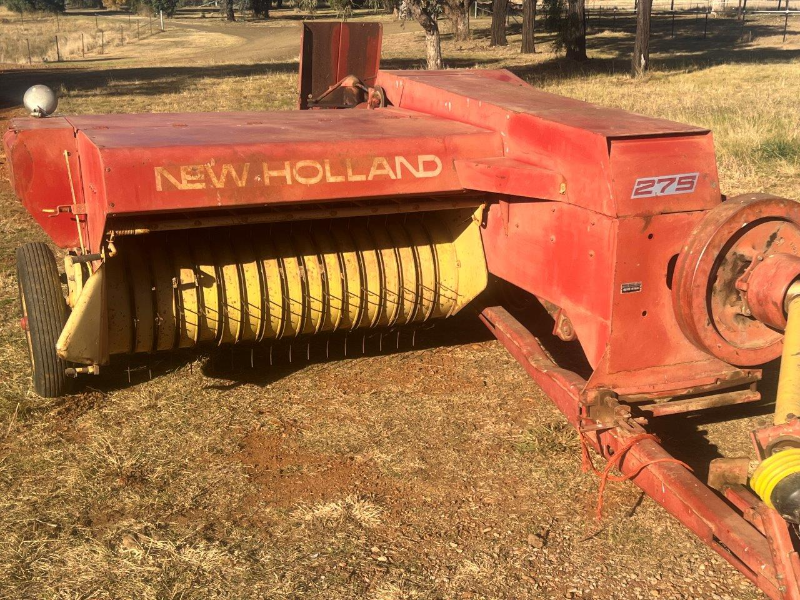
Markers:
point(263, 364)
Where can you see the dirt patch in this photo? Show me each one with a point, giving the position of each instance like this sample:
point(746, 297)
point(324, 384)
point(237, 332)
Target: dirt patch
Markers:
point(286, 474)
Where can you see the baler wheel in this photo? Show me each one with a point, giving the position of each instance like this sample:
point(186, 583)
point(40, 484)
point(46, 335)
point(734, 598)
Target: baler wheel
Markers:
point(44, 313)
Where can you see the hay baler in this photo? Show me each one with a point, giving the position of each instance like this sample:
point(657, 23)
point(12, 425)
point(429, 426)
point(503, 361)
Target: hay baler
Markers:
point(394, 198)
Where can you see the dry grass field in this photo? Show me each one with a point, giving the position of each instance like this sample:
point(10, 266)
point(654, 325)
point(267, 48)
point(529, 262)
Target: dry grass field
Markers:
point(437, 470)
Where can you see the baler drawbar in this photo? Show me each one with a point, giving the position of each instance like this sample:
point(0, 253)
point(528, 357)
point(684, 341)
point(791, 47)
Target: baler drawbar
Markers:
point(397, 197)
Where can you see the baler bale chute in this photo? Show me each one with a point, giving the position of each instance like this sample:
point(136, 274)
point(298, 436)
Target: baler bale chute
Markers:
point(394, 198)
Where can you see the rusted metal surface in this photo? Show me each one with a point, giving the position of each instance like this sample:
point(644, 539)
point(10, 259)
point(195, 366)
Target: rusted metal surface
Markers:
point(330, 51)
point(715, 522)
point(676, 407)
point(766, 286)
point(149, 225)
point(709, 306)
point(768, 440)
point(724, 472)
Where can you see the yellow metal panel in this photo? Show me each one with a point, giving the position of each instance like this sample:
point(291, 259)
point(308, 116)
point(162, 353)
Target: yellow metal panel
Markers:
point(352, 294)
point(254, 294)
point(408, 273)
point(334, 275)
point(188, 305)
point(473, 275)
point(165, 303)
point(316, 294)
point(208, 289)
point(139, 282)
point(232, 299)
point(290, 270)
point(120, 316)
point(391, 275)
point(81, 340)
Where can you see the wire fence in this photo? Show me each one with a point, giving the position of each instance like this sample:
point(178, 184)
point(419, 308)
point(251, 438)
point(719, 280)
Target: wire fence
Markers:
point(706, 20)
point(58, 39)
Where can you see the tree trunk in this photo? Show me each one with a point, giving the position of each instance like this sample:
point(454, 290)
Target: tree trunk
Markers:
point(433, 43)
point(457, 11)
point(529, 26)
point(641, 49)
point(576, 30)
point(227, 8)
point(433, 49)
point(460, 18)
point(499, 8)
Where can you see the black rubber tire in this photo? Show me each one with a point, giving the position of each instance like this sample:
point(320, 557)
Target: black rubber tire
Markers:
point(42, 302)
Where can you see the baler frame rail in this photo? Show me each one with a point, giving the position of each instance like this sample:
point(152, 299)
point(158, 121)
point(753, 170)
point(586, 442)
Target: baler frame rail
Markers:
point(752, 537)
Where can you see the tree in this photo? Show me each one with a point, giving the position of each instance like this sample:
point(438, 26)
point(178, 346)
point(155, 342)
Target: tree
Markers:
point(227, 10)
point(528, 26)
point(425, 12)
point(167, 6)
point(641, 49)
point(570, 31)
point(575, 38)
point(261, 8)
point(342, 8)
point(499, 9)
point(21, 6)
point(458, 13)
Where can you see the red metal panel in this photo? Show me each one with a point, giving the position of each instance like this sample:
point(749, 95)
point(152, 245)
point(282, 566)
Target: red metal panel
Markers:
point(673, 174)
point(644, 332)
point(330, 51)
point(94, 190)
point(274, 158)
point(567, 136)
point(562, 253)
point(35, 150)
point(512, 177)
point(611, 277)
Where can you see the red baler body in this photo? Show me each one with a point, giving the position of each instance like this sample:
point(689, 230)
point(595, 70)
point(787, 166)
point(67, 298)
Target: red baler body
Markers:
point(560, 174)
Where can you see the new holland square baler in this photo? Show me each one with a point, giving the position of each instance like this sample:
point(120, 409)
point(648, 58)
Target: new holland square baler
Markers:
point(200, 229)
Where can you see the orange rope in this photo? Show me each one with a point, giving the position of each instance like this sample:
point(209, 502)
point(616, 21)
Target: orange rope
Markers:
point(605, 475)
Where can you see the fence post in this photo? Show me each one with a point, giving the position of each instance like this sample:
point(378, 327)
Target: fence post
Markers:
point(614, 19)
point(121, 36)
point(151, 24)
point(102, 42)
point(96, 26)
point(705, 26)
point(58, 52)
point(785, 26)
point(28, 42)
point(162, 19)
point(672, 31)
point(138, 36)
point(83, 47)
